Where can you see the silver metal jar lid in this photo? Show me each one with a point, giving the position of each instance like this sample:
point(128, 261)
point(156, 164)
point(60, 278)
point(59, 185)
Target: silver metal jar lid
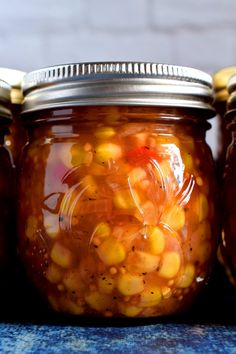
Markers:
point(5, 100)
point(118, 83)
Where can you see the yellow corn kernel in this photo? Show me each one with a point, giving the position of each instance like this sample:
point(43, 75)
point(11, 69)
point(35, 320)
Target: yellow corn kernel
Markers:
point(108, 151)
point(53, 273)
point(111, 251)
point(186, 277)
point(68, 306)
point(77, 155)
point(105, 132)
point(155, 240)
point(72, 280)
point(89, 184)
point(98, 301)
point(140, 139)
point(51, 225)
point(124, 199)
point(54, 302)
point(106, 284)
point(137, 175)
point(129, 310)
point(31, 227)
point(129, 284)
point(188, 161)
point(174, 217)
point(170, 265)
point(142, 262)
point(201, 206)
point(61, 255)
point(102, 230)
point(151, 296)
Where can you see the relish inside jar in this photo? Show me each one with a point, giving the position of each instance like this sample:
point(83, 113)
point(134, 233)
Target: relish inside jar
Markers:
point(116, 214)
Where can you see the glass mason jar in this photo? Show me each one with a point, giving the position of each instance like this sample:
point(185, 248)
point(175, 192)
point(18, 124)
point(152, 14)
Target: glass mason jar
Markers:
point(7, 193)
point(220, 81)
point(17, 136)
point(116, 212)
point(228, 244)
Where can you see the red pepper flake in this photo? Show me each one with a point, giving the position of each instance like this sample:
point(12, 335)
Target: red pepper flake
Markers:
point(142, 155)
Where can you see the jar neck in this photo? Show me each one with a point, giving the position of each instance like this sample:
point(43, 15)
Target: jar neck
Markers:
point(72, 120)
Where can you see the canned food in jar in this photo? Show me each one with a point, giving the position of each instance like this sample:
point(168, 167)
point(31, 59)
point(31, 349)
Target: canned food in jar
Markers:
point(7, 195)
point(220, 80)
point(17, 136)
point(228, 242)
point(116, 214)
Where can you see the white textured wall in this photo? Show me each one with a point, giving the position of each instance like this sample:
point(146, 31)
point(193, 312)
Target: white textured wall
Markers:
point(198, 33)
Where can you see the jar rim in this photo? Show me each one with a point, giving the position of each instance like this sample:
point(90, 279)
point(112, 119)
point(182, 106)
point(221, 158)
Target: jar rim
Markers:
point(5, 100)
point(118, 83)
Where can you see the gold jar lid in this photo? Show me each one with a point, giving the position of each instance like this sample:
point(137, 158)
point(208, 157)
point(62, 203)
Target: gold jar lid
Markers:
point(14, 79)
point(118, 83)
point(220, 82)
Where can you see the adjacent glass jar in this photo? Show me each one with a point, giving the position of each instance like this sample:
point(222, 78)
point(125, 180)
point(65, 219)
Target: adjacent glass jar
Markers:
point(220, 80)
point(7, 194)
point(116, 213)
point(228, 244)
point(18, 135)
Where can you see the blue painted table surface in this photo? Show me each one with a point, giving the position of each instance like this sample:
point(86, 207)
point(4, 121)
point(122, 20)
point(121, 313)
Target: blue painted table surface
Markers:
point(156, 338)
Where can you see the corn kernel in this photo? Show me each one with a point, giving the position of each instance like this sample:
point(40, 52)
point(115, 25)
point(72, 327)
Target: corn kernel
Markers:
point(174, 217)
point(105, 132)
point(111, 251)
point(170, 265)
point(61, 255)
point(98, 301)
point(186, 277)
point(77, 154)
point(72, 280)
point(136, 175)
point(156, 240)
point(151, 296)
point(142, 262)
point(31, 227)
point(188, 162)
point(129, 284)
point(129, 310)
point(102, 230)
point(106, 284)
point(201, 206)
point(108, 151)
point(69, 306)
point(51, 225)
point(53, 273)
point(124, 199)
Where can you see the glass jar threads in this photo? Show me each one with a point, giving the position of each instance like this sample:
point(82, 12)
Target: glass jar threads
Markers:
point(116, 214)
